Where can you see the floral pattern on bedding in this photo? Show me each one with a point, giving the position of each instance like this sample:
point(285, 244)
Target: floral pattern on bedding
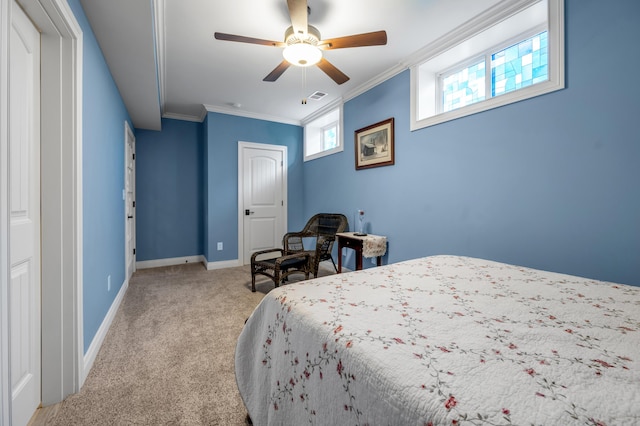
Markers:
point(443, 340)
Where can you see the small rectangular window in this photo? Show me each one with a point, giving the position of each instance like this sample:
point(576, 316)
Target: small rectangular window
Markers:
point(511, 52)
point(322, 134)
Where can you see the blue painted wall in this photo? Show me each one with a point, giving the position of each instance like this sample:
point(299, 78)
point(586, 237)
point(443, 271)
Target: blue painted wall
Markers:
point(223, 132)
point(103, 117)
point(550, 182)
point(169, 187)
point(187, 184)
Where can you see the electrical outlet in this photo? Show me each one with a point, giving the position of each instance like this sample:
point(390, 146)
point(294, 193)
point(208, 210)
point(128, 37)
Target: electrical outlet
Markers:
point(219, 246)
point(109, 283)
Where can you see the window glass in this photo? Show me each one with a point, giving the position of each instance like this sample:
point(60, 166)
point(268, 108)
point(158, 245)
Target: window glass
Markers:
point(520, 65)
point(463, 87)
point(330, 137)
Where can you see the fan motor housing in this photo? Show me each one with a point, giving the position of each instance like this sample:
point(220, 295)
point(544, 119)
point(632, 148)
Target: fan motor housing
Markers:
point(312, 36)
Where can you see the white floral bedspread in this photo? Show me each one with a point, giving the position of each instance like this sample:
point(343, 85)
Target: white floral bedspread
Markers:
point(443, 340)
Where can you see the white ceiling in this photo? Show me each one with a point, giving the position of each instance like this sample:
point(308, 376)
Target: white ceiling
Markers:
point(166, 62)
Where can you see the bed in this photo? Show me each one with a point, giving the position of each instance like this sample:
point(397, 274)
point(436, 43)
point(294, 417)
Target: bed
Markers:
point(443, 340)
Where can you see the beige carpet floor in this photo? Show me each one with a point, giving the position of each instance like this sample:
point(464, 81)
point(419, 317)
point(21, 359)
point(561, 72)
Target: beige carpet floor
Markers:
point(168, 358)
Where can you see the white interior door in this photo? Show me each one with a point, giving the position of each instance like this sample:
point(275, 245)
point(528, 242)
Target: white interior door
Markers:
point(24, 205)
point(130, 201)
point(263, 195)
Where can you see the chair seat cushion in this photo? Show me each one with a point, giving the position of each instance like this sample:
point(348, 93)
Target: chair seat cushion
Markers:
point(289, 263)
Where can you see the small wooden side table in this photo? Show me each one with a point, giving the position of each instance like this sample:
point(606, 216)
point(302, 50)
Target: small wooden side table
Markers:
point(367, 246)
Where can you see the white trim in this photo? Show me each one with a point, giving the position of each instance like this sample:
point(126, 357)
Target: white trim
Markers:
point(183, 117)
point(172, 261)
point(5, 380)
point(159, 26)
point(98, 339)
point(556, 32)
point(61, 92)
point(79, 225)
point(223, 264)
point(248, 114)
point(379, 79)
point(129, 137)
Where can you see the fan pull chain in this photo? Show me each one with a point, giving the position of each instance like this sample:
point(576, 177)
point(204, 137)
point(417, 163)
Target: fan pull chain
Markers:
point(304, 83)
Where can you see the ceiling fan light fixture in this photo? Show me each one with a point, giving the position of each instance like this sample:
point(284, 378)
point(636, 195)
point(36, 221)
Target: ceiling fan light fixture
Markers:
point(302, 54)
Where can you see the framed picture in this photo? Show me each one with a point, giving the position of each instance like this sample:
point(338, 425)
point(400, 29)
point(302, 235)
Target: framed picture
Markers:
point(374, 145)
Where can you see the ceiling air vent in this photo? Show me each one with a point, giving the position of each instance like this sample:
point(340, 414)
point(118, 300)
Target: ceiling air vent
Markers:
point(316, 96)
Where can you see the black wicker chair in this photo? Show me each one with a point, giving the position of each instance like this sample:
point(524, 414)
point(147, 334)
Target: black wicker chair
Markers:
point(323, 228)
point(294, 257)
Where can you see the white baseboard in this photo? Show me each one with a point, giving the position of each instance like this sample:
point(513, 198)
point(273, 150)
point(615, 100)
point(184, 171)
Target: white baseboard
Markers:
point(96, 343)
point(222, 264)
point(156, 263)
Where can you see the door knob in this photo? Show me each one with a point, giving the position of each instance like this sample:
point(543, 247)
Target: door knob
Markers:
point(247, 212)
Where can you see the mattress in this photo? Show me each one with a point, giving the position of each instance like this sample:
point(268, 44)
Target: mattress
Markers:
point(443, 340)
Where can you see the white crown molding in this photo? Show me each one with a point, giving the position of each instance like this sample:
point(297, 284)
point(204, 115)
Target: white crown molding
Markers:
point(379, 79)
point(183, 117)
point(203, 113)
point(159, 23)
point(249, 114)
point(497, 13)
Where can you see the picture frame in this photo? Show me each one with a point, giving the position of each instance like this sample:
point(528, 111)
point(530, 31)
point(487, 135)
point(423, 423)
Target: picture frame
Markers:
point(374, 145)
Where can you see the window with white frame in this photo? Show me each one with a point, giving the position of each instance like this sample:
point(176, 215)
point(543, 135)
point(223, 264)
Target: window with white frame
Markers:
point(323, 134)
point(516, 52)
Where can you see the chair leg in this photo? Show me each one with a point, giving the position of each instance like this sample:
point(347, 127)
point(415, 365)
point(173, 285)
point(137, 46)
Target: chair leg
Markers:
point(334, 264)
point(276, 276)
point(253, 281)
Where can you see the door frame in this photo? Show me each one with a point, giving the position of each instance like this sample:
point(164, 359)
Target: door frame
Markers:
point(285, 183)
point(129, 137)
point(61, 217)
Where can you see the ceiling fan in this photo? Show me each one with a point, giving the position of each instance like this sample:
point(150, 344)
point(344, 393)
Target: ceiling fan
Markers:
point(303, 45)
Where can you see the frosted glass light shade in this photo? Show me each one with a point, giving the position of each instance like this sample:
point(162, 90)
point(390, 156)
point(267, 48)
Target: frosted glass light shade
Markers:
point(302, 54)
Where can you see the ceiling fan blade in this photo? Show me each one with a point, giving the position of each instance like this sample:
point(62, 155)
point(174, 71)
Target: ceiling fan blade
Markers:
point(251, 40)
point(277, 72)
point(376, 38)
point(299, 15)
point(333, 72)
